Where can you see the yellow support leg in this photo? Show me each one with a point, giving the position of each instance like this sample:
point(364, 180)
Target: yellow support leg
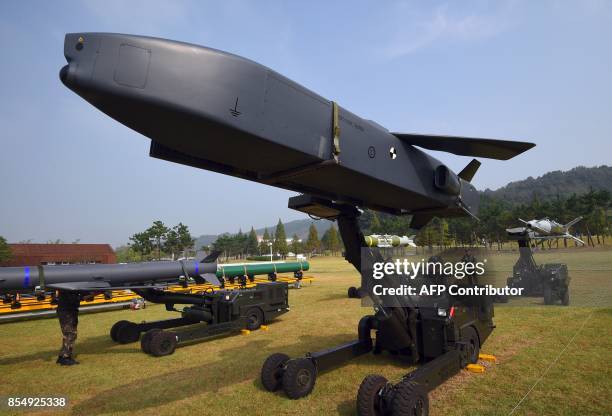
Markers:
point(488, 357)
point(475, 368)
point(245, 331)
point(264, 327)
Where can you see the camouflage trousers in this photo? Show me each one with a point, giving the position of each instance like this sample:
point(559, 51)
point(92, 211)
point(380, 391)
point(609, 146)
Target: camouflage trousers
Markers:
point(68, 320)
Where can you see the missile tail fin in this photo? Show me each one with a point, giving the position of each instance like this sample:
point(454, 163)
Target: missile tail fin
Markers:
point(211, 278)
point(212, 257)
point(468, 172)
point(572, 222)
point(575, 239)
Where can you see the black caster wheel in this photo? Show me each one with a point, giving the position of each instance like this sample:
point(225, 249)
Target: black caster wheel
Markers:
point(299, 378)
point(369, 398)
point(272, 371)
point(162, 343)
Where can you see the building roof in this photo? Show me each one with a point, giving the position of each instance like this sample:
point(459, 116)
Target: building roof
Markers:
point(34, 254)
point(61, 250)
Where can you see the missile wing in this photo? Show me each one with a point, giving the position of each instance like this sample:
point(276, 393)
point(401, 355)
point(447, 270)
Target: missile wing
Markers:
point(467, 146)
point(217, 111)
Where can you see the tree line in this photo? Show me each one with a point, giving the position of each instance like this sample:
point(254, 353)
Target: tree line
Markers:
point(497, 214)
point(157, 242)
point(244, 245)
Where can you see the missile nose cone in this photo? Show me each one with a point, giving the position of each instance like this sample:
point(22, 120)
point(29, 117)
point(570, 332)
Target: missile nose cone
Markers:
point(63, 74)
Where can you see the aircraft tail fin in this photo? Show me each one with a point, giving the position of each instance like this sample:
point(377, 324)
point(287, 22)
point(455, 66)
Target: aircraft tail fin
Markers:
point(468, 172)
point(572, 222)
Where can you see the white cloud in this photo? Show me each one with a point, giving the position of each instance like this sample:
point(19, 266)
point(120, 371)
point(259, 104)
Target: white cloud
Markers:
point(416, 30)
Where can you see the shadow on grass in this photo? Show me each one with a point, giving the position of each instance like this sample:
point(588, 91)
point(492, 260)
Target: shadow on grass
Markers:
point(93, 345)
point(347, 407)
point(334, 296)
point(188, 382)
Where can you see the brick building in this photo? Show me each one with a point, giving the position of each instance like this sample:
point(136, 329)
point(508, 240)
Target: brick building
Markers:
point(35, 254)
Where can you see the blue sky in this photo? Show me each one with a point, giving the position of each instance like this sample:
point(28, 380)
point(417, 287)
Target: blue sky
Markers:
point(535, 71)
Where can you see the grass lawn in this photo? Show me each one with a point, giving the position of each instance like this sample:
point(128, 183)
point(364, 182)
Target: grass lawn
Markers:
point(221, 376)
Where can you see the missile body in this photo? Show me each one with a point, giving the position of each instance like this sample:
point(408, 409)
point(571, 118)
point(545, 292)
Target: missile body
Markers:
point(92, 277)
point(100, 277)
point(247, 269)
point(388, 241)
point(217, 111)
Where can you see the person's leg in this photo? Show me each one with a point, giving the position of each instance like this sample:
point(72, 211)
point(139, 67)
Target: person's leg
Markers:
point(68, 320)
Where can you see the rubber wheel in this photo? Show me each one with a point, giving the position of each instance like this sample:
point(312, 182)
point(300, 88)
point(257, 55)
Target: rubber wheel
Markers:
point(547, 295)
point(299, 378)
point(352, 292)
point(409, 399)
point(115, 328)
point(162, 343)
point(369, 401)
point(145, 341)
point(272, 371)
point(565, 300)
point(254, 318)
point(127, 333)
point(470, 337)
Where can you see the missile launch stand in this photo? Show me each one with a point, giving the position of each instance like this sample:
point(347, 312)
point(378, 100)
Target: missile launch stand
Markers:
point(211, 313)
point(550, 280)
point(443, 342)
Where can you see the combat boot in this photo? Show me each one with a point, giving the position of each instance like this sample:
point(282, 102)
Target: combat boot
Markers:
point(66, 361)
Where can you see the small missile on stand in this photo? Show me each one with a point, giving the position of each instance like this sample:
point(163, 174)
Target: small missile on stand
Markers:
point(387, 240)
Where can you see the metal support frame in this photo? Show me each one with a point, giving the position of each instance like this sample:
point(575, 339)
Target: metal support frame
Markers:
point(452, 356)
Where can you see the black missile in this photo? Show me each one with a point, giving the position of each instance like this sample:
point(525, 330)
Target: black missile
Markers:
point(217, 111)
point(103, 277)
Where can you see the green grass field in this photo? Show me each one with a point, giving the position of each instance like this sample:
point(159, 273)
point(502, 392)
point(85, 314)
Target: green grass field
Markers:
point(221, 376)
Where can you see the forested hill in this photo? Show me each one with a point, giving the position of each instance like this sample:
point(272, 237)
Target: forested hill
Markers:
point(576, 181)
point(517, 194)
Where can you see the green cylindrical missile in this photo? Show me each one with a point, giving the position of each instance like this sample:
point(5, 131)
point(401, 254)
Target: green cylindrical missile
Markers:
point(252, 269)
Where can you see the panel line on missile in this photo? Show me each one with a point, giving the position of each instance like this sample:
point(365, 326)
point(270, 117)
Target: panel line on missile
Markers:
point(132, 66)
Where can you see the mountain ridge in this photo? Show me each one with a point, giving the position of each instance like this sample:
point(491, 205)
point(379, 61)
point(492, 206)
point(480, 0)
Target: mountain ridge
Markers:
point(578, 180)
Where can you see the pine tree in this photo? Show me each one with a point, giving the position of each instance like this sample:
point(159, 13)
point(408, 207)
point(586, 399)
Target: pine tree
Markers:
point(280, 239)
point(252, 244)
point(334, 240)
point(330, 240)
point(375, 224)
point(5, 250)
point(296, 244)
point(158, 232)
point(313, 243)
